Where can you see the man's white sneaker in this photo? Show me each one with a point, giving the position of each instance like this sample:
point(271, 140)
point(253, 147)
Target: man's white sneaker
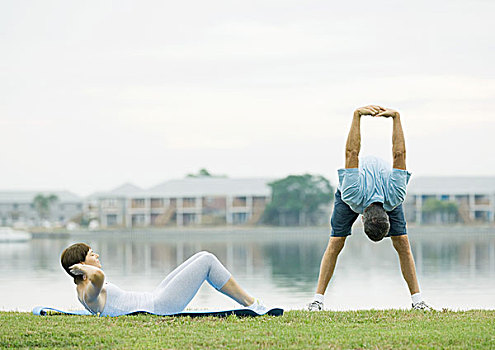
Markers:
point(315, 306)
point(422, 306)
point(258, 307)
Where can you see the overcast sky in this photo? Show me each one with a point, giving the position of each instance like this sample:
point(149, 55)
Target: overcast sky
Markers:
point(97, 93)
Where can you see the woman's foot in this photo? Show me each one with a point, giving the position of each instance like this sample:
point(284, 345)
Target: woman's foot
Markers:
point(258, 307)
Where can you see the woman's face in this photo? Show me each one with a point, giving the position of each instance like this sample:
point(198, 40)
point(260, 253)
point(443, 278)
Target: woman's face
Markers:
point(92, 259)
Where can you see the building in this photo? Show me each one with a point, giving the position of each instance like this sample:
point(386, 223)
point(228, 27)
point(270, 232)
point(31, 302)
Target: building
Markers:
point(474, 199)
point(18, 208)
point(224, 201)
point(189, 201)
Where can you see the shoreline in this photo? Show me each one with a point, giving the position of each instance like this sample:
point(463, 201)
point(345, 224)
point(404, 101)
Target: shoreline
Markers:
point(425, 229)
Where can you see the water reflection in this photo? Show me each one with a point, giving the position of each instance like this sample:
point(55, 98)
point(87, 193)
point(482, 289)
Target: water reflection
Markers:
point(279, 265)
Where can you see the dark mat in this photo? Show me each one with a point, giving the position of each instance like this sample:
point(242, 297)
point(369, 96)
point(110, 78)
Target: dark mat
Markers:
point(48, 311)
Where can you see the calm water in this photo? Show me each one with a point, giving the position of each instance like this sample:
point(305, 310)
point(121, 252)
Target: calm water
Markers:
point(456, 267)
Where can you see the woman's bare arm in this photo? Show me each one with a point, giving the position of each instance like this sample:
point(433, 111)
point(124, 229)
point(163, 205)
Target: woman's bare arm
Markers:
point(95, 277)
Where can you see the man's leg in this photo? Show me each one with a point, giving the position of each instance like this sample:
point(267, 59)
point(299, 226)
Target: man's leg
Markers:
point(328, 262)
point(401, 245)
point(342, 219)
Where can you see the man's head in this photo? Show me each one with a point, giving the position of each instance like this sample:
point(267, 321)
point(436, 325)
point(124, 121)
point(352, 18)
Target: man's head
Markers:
point(375, 220)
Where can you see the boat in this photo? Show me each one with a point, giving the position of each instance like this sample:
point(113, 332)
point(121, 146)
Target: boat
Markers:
point(8, 234)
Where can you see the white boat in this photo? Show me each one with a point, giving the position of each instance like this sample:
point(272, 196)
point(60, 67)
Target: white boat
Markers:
point(8, 234)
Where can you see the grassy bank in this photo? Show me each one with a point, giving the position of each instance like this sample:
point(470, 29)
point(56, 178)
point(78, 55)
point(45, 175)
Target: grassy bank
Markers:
point(295, 330)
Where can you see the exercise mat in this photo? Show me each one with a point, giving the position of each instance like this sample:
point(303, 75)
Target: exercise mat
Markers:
point(49, 311)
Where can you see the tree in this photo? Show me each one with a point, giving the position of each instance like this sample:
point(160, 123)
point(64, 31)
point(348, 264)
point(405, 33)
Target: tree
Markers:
point(298, 200)
point(204, 173)
point(440, 211)
point(43, 204)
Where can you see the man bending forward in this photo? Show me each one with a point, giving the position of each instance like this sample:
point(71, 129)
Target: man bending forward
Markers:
point(377, 192)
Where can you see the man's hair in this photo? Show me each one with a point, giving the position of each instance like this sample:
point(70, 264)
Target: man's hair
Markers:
point(376, 223)
point(74, 254)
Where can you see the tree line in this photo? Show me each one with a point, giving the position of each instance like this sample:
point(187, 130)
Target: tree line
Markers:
point(299, 200)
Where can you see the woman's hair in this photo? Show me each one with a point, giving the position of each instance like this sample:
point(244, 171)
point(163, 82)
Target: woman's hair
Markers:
point(376, 222)
point(74, 254)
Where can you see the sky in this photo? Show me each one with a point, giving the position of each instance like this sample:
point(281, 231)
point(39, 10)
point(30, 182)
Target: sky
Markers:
point(94, 94)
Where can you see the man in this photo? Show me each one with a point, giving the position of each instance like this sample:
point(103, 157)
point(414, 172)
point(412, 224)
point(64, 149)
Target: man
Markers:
point(377, 192)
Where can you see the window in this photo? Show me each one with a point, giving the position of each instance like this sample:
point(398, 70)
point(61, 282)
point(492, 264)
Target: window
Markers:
point(157, 202)
point(111, 219)
point(153, 218)
point(138, 220)
point(482, 216)
point(189, 202)
point(110, 203)
point(189, 219)
point(138, 203)
point(239, 202)
point(239, 218)
point(480, 199)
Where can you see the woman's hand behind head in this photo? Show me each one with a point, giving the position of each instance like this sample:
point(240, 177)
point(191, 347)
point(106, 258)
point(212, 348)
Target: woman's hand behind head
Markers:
point(77, 269)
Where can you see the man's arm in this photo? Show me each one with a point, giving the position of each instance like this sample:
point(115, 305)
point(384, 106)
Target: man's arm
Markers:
point(398, 140)
point(353, 145)
point(398, 144)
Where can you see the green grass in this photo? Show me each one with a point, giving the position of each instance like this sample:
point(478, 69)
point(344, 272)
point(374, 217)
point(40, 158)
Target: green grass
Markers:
point(371, 329)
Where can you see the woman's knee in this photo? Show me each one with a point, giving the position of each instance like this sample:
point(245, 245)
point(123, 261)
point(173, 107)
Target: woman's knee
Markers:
point(201, 253)
point(205, 252)
point(207, 256)
point(199, 257)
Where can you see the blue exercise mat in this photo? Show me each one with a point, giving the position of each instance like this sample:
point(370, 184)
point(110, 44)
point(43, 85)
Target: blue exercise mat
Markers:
point(49, 311)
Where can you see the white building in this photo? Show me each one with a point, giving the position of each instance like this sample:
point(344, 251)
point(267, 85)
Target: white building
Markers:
point(224, 201)
point(189, 201)
point(17, 207)
point(474, 196)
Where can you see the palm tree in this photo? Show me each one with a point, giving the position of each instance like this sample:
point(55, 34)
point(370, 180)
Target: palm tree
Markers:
point(43, 204)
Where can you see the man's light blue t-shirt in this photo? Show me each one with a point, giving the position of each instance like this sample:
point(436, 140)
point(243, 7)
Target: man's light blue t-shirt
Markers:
point(374, 181)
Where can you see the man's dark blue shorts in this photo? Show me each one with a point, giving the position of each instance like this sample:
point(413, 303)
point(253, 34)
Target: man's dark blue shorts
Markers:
point(343, 217)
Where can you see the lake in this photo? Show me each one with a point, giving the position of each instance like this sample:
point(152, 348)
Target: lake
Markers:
point(456, 267)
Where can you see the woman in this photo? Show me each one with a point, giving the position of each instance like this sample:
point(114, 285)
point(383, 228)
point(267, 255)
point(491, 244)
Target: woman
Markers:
point(171, 296)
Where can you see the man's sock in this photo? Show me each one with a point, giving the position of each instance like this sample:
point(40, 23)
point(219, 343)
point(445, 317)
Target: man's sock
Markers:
point(416, 298)
point(319, 297)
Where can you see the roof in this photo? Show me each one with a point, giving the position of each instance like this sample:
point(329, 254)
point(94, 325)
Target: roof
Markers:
point(126, 189)
point(123, 191)
point(213, 186)
point(28, 196)
point(452, 185)
point(194, 187)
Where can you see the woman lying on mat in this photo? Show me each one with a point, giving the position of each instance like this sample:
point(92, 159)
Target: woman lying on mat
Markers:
point(171, 296)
